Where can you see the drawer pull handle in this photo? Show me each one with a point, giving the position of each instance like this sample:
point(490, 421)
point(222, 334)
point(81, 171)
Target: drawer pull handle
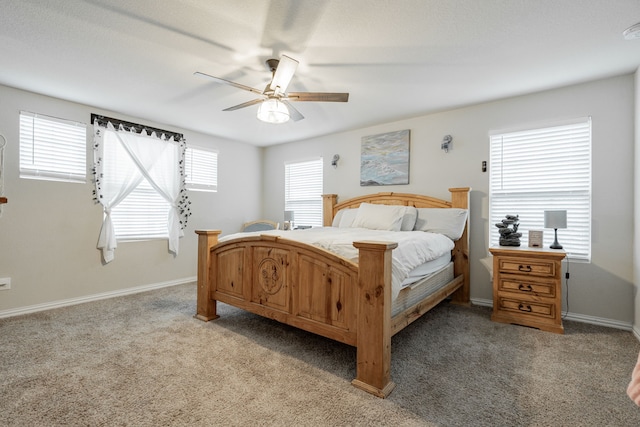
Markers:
point(523, 307)
point(525, 288)
point(525, 268)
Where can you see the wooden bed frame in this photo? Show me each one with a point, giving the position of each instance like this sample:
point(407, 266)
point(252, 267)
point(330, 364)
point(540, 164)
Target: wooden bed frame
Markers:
point(315, 290)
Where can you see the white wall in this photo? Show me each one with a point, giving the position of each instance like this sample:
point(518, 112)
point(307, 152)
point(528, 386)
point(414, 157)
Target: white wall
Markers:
point(601, 291)
point(49, 230)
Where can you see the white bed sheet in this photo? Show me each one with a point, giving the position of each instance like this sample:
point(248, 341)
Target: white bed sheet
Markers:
point(414, 247)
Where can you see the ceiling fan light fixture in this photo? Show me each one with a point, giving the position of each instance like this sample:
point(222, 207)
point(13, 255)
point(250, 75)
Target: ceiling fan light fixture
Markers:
point(273, 111)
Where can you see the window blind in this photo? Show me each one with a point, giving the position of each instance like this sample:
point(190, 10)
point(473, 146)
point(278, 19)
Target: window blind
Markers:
point(303, 192)
point(544, 169)
point(141, 215)
point(52, 148)
point(201, 168)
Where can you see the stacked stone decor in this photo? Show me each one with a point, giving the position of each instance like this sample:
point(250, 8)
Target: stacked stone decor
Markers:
point(508, 230)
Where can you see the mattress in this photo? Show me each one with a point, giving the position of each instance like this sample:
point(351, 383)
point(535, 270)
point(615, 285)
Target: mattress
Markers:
point(416, 292)
point(426, 269)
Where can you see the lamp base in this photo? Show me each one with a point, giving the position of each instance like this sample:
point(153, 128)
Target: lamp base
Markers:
point(555, 244)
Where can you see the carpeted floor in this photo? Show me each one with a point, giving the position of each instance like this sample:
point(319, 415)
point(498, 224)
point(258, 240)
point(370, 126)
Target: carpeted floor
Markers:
point(143, 360)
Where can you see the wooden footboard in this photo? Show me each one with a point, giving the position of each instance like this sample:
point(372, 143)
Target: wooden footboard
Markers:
point(309, 288)
point(323, 293)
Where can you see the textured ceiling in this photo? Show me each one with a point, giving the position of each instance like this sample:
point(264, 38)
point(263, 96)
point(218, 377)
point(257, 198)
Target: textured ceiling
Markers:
point(396, 58)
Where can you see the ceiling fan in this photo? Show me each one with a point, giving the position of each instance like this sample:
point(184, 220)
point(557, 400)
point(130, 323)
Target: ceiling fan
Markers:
point(274, 100)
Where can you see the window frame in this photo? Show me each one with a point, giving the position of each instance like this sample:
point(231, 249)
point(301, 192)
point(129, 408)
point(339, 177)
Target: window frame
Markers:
point(305, 208)
point(52, 148)
point(535, 181)
point(204, 170)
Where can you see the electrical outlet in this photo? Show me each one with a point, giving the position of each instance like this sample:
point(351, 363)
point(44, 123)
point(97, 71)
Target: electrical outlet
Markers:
point(5, 283)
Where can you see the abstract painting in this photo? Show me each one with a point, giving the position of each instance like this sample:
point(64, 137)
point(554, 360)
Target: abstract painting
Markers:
point(384, 159)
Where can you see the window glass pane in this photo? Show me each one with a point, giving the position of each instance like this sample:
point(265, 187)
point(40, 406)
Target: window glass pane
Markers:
point(544, 169)
point(52, 148)
point(201, 168)
point(303, 192)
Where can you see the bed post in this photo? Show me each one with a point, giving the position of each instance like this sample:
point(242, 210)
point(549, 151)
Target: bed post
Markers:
point(328, 202)
point(460, 199)
point(206, 307)
point(373, 373)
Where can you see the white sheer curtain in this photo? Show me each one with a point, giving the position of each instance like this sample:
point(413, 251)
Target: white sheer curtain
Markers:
point(158, 160)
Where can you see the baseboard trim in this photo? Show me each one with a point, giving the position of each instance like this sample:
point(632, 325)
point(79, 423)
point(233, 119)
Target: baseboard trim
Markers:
point(95, 297)
point(610, 323)
point(144, 288)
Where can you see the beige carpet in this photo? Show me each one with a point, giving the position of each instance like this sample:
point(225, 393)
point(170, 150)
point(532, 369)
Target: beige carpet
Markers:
point(143, 360)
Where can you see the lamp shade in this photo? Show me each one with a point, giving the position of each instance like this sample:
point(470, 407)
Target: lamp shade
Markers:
point(288, 215)
point(555, 219)
point(273, 111)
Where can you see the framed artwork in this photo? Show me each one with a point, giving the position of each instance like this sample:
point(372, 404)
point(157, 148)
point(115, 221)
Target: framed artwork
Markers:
point(384, 159)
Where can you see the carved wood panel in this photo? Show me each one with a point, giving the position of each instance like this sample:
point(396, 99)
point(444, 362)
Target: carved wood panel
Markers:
point(229, 268)
point(323, 293)
point(270, 277)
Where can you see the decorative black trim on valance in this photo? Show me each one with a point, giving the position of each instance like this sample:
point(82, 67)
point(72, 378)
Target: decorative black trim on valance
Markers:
point(137, 128)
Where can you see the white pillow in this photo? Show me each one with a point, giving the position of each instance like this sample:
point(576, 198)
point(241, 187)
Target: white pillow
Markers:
point(336, 219)
point(449, 222)
point(379, 217)
point(409, 218)
point(347, 217)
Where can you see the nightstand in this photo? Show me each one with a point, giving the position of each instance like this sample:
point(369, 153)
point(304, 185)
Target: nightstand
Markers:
point(527, 287)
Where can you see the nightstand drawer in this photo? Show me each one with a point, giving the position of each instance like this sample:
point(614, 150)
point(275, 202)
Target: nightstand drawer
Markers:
point(527, 287)
point(527, 266)
point(527, 308)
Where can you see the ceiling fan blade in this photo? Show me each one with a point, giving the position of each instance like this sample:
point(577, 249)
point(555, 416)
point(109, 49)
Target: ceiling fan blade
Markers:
point(294, 114)
point(284, 73)
point(291, 23)
point(244, 104)
point(318, 96)
point(228, 82)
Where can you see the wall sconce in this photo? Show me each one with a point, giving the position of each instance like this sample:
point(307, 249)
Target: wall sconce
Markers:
point(555, 220)
point(334, 161)
point(446, 142)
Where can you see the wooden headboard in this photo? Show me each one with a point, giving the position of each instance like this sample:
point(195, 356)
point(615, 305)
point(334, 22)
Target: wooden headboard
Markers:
point(459, 199)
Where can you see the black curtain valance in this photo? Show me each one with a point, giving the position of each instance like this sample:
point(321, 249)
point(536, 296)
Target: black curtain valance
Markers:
point(137, 128)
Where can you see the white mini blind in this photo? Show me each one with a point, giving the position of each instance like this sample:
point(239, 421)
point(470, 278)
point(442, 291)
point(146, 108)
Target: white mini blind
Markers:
point(303, 192)
point(201, 168)
point(142, 215)
point(52, 148)
point(544, 169)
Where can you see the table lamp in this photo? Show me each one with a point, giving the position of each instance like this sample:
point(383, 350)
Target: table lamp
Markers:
point(555, 220)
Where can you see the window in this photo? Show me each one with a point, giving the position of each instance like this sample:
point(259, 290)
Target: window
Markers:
point(544, 169)
point(142, 214)
point(52, 149)
point(303, 192)
point(140, 183)
point(201, 168)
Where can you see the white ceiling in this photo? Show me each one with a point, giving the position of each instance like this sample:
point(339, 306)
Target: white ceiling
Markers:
point(396, 58)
